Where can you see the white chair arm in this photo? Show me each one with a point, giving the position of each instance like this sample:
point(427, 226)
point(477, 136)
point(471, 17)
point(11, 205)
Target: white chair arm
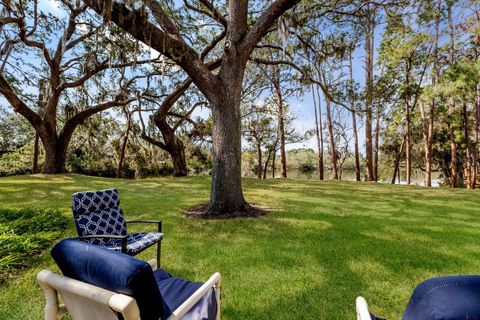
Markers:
point(362, 309)
point(213, 282)
point(126, 305)
point(153, 264)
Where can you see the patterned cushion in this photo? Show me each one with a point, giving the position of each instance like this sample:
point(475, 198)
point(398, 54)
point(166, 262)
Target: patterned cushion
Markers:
point(93, 201)
point(107, 222)
point(98, 213)
point(136, 242)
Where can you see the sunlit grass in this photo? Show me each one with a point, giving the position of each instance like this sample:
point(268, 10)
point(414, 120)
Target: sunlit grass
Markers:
point(323, 244)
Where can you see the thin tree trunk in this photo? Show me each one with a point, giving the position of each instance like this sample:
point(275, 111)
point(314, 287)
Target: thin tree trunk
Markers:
point(320, 128)
point(408, 148)
point(281, 122)
point(426, 134)
point(451, 108)
point(35, 153)
point(333, 149)
point(354, 123)
point(407, 145)
point(369, 32)
point(259, 160)
point(265, 166)
point(468, 162)
point(377, 137)
point(476, 135)
point(273, 163)
point(396, 167)
point(428, 130)
point(124, 144)
point(317, 132)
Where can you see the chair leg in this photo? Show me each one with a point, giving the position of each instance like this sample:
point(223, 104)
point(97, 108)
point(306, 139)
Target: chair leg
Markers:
point(159, 252)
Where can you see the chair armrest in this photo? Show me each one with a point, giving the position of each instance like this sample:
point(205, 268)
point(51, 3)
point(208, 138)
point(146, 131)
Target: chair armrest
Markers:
point(82, 292)
point(148, 221)
point(153, 264)
point(213, 282)
point(362, 309)
point(106, 236)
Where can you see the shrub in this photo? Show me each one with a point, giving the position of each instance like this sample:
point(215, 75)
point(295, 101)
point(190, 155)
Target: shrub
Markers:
point(307, 167)
point(24, 233)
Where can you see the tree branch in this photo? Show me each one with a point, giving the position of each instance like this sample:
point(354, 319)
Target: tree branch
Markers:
point(262, 25)
point(169, 45)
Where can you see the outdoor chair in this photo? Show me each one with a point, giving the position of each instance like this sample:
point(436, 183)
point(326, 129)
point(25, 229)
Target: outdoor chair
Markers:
point(446, 298)
point(100, 221)
point(103, 284)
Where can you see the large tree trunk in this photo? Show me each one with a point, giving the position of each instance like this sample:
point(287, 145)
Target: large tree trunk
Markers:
point(333, 149)
point(55, 155)
point(175, 148)
point(227, 194)
point(354, 122)
point(317, 132)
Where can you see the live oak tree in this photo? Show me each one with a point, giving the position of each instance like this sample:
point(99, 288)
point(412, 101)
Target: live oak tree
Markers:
point(47, 61)
point(222, 89)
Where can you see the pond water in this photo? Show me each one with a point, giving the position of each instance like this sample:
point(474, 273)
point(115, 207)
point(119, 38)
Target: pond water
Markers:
point(348, 175)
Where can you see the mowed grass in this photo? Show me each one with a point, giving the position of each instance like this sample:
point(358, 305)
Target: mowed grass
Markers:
point(322, 244)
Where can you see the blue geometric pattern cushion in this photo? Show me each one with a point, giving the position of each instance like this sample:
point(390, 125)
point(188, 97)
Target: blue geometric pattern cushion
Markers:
point(98, 213)
point(94, 201)
point(136, 242)
point(110, 221)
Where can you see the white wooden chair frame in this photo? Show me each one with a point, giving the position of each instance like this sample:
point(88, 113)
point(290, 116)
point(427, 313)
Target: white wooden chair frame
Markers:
point(362, 309)
point(84, 301)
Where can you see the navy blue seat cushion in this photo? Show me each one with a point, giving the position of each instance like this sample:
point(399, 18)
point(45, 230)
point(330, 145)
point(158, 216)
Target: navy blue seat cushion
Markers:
point(113, 271)
point(157, 293)
point(445, 298)
point(176, 290)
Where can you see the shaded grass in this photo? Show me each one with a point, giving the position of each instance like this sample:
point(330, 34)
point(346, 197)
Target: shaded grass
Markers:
point(322, 244)
point(24, 233)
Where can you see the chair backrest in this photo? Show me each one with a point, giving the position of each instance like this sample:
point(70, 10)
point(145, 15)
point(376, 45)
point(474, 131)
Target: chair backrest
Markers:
point(113, 271)
point(98, 212)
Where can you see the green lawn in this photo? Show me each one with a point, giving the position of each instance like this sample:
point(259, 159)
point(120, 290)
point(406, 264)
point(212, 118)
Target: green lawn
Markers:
point(323, 244)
